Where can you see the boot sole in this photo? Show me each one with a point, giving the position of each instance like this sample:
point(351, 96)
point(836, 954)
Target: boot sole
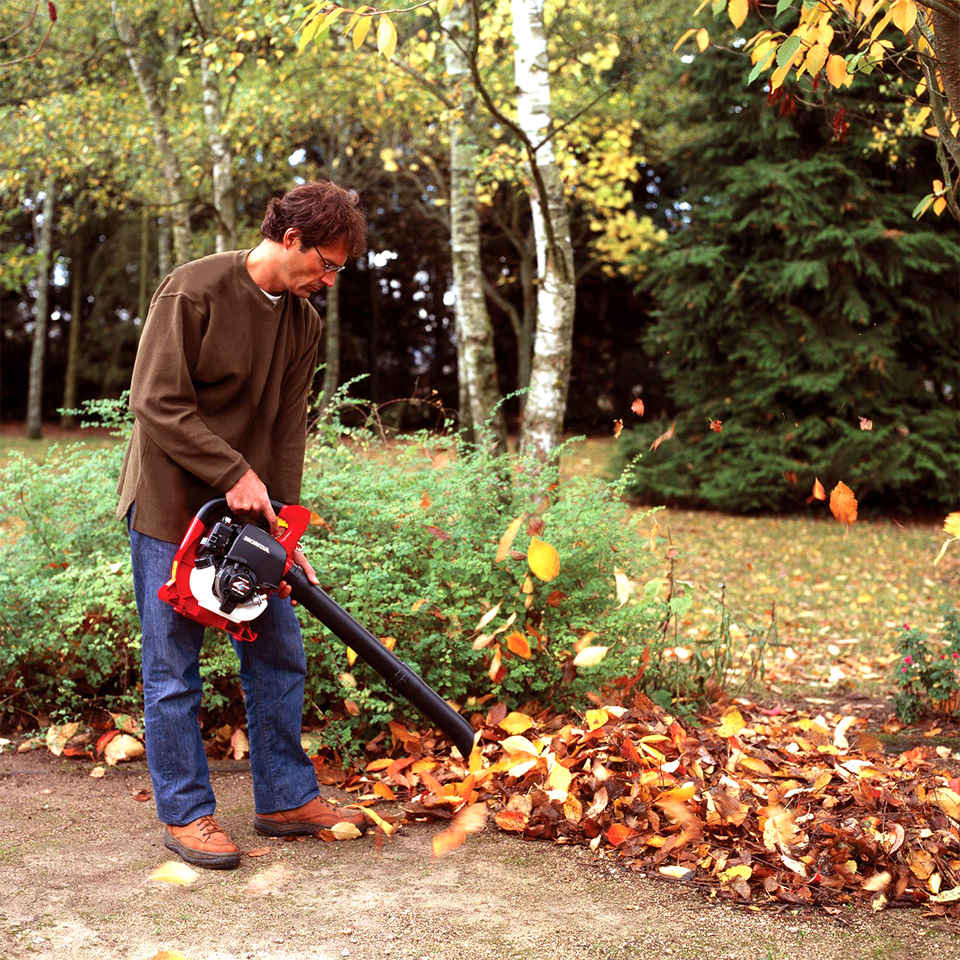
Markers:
point(271, 829)
point(201, 858)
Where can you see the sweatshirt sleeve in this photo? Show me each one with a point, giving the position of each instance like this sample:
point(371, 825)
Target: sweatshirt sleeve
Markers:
point(163, 397)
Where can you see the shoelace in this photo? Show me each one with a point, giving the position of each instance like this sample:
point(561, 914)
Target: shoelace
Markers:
point(208, 826)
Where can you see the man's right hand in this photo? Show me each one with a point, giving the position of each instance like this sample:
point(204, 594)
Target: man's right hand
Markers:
point(249, 495)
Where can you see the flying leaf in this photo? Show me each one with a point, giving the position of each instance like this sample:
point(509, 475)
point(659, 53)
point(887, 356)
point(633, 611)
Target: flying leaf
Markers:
point(506, 541)
point(239, 744)
point(818, 492)
point(590, 656)
point(843, 504)
point(716, 426)
point(617, 428)
point(637, 407)
point(952, 524)
point(866, 423)
point(666, 435)
point(543, 559)
point(176, 872)
point(471, 819)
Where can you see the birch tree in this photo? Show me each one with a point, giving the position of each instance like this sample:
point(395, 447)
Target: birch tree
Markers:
point(38, 350)
point(224, 196)
point(550, 371)
point(477, 365)
point(145, 75)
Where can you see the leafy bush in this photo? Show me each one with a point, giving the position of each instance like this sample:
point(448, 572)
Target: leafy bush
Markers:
point(927, 674)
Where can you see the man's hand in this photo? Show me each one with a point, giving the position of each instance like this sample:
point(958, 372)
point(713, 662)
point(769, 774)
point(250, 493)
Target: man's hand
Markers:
point(301, 561)
point(249, 495)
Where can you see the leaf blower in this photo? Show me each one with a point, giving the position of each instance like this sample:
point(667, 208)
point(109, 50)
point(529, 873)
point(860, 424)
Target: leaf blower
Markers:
point(225, 570)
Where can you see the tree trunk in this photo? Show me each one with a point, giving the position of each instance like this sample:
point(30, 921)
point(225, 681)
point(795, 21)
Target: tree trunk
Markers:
point(146, 80)
point(550, 370)
point(73, 340)
point(224, 194)
point(331, 369)
point(164, 247)
point(475, 353)
point(35, 388)
point(143, 293)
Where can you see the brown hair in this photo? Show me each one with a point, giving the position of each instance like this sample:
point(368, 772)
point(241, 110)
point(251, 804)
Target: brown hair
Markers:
point(322, 212)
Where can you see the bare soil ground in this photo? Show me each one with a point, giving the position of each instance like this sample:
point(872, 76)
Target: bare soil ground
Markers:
point(76, 854)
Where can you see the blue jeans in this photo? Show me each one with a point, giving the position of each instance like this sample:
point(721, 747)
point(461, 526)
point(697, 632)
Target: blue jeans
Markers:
point(273, 669)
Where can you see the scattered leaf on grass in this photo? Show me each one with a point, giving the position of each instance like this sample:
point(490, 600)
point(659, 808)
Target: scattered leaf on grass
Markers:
point(590, 656)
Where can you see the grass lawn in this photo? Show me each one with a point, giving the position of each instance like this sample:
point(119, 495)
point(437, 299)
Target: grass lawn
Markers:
point(839, 596)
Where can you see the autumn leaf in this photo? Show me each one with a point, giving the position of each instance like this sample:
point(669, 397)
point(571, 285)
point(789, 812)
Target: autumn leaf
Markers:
point(716, 426)
point(517, 644)
point(866, 423)
point(590, 656)
point(122, 748)
point(543, 559)
point(818, 492)
point(175, 872)
point(506, 541)
point(731, 723)
point(843, 504)
point(516, 723)
point(471, 819)
point(952, 524)
point(666, 435)
point(617, 428)
point(637, 407)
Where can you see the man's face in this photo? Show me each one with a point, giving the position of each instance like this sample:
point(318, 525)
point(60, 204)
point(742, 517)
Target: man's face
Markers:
point(310, 268)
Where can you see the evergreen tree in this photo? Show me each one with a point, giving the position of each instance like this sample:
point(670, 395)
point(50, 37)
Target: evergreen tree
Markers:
point(795, 295)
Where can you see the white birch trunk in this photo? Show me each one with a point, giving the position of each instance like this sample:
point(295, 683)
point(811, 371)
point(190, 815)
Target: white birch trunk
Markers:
point(224, 194)
point(477, 363)
point(39, 347)
point(331, 369)
point(550, 370)
point(143, 73)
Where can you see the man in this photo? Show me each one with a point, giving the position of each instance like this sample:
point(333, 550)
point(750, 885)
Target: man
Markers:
point(219, 394)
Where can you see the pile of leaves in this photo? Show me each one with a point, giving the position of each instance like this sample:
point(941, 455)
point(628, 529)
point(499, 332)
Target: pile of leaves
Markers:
point(766, 806)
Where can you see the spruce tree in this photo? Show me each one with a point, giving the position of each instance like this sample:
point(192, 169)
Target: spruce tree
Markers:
point(795, 296)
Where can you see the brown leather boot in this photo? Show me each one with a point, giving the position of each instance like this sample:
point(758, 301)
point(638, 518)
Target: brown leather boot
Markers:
point(203, 843)
point(312, 817)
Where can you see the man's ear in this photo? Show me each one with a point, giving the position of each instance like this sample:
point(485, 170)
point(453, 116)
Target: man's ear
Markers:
point(291, 237)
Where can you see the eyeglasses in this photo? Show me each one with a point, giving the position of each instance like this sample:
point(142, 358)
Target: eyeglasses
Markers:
point(329, 267)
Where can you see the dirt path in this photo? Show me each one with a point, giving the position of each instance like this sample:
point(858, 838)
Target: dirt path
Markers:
point(76, 853)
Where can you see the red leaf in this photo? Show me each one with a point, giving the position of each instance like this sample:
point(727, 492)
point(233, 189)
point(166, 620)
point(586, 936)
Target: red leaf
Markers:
point(716, 425)
point(637, 407)
point(104, 740)
point(618, 833)
point(438, 533)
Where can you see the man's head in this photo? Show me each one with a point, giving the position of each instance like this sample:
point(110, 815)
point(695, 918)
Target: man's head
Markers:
point(317, 226)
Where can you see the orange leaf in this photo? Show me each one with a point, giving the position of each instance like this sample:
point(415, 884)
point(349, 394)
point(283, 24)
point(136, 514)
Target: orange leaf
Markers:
point(866, 423)
point(469, 820)
point(517, 644)
point(618, 833)
point(425, 501)
point(818, 492)
point(637, 407)
point(617, 428)
point(716, 425)
point(666, 435)
point(843, 504)
point(383, 791)
point(512, 820)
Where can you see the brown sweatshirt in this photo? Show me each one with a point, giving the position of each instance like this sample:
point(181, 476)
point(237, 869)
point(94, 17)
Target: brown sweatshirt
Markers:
point(220, 385)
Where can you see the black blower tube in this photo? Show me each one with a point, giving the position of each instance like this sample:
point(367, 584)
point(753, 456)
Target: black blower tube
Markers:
point(400, 676)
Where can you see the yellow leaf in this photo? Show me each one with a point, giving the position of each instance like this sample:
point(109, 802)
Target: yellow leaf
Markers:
point(947, 800)
point(816, 58)
point(176, 872)
point(506, 541)
point(952, 524)
point(686, 36)
point(386, 36)
point(596, 718)
point(779, 75)
point(361, 30)
point(739, 872)
point(543, 559)
point(737, 11)
point(590, 656)
point(517, 745)
point(345, 831)
point(731, 723)
point(939, 205)
point(703, 39)
point(515, 723)
point(836, 70)
point(558, 782)
point(387, 828)
point(351, 656)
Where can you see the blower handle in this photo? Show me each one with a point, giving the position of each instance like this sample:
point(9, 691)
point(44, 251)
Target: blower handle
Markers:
point(399, 675)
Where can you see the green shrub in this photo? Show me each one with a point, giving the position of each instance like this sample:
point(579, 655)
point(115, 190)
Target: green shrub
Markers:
point(927, 674)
